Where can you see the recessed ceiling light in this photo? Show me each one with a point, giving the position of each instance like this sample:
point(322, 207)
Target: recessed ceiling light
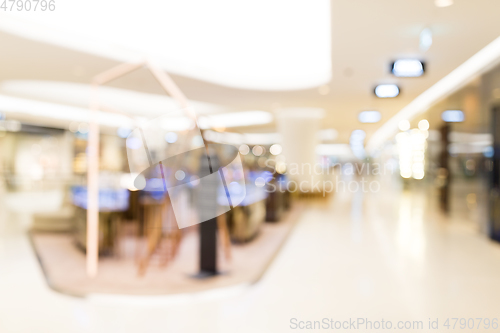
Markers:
point(38, 109)
point(460, 76)
point(407, 68)
point(125, 101)
point(443, 3)
point(386, 90)
point(369, 117)
point(453, 116)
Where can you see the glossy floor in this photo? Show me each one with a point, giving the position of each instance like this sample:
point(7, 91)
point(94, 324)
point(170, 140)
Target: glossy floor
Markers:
point(389, 255)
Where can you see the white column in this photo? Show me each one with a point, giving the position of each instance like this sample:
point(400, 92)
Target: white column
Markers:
point(299, 128)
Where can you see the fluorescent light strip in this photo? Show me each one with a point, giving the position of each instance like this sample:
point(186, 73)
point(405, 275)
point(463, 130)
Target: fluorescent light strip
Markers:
point(235, 119)
point(463, 74)
point(126, 101)
point(39, 109)
point(240, 138)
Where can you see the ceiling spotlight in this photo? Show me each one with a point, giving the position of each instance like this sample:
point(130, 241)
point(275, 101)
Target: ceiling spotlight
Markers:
point(386, 90)
point(407, 68)
point(453, 116)
point(404, 125)
point(369, 117)
point(443, 3)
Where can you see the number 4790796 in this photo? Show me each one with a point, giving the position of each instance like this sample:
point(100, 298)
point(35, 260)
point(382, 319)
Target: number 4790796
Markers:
point(28, 5)
point(471, 323)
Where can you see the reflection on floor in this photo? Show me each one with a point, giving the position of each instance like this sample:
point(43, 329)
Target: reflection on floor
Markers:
point(389, 255)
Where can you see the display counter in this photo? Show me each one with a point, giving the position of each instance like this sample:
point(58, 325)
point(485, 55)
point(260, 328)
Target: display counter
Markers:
point(112, 204)
point(245, 219)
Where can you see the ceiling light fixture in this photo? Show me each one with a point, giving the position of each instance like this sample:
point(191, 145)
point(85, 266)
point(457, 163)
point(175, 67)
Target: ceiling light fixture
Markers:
point(443, 3)
point(242, 138)
point(60, 112)
point(123, 100)
point(453, 116)
point(486, 58)
point(369, 117)
point(408, 68)
point(235, 119)
point(386, 90)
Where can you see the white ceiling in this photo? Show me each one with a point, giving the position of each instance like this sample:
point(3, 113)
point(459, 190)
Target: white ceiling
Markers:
point(249, 44)
point(366, 36)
